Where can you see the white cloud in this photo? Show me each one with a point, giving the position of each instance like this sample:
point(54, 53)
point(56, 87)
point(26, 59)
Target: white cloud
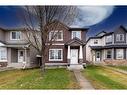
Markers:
point(91, 15)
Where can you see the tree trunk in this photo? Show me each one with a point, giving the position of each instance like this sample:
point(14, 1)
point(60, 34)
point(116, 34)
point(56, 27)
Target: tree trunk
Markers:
point(42, 65)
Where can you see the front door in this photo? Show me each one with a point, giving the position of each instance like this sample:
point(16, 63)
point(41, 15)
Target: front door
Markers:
point(98, 56)
point(20, 56)
point(74, 56)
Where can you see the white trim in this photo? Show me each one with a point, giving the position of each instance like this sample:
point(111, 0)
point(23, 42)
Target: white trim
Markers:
point(18, 56)
point(122, 53)
point(56, 59)
point(80, 52)
point(118, 36)
point(55, 44)
point(56, 32)
point(77, 37)
point(11, 35)
point(68, 52)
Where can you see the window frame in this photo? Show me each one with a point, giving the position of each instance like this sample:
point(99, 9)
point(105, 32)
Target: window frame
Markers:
point(75, 34)
point(96, 40)
point(118, 37)
point(56, 59)
point(15, 32)
point(107, 54)
point(5, 51)
point(109, 39)
point(121, 54)
point(55, 34)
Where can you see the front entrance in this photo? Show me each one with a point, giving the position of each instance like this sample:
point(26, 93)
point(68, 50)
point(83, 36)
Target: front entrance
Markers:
point(20, 56)
point(74, 56)
point(98, 56)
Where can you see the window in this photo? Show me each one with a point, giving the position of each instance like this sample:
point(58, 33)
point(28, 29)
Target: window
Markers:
point(119, 53)
point(109, 38)
point(109, 54)
point(3, 54)
point(120, 37)
point(76, 34)
point(95, 41)
point(15, 35)
point(56, 35)
point(55, 55)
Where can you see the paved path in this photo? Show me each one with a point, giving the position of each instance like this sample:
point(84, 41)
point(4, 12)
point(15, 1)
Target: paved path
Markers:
point(84, 83)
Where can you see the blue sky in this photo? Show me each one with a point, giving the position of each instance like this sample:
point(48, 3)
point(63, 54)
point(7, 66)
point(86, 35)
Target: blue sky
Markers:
point(97, 18)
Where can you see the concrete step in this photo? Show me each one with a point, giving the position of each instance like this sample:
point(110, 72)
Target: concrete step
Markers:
point(75, 67)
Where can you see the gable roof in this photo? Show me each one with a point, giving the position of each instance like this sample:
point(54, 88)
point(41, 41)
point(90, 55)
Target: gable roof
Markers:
point(75, 40)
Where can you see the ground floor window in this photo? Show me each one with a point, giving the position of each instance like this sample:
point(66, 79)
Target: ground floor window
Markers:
point(109, 54)
point(3, 54)
point(55, 55)
point(119, 54)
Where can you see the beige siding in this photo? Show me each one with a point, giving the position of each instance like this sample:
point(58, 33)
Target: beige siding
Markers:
point(8, 38)
point(2, 35)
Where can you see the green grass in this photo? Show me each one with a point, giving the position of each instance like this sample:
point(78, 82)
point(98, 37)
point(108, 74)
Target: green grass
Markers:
point(104, 78)
point(32, 79)
point(120, 67)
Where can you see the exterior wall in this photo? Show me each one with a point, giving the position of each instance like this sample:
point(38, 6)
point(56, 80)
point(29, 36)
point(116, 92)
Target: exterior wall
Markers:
point(64, 54)
point(119, 31)
point(88, 51)
point(2, 35)
point(14, 55)
point(8, 38)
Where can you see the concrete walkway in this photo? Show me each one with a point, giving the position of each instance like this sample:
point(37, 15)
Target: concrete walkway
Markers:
point(84, 83)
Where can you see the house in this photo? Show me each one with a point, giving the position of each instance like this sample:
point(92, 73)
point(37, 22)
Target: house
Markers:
point(68, 47)
point(108, 48)
point(15, 50)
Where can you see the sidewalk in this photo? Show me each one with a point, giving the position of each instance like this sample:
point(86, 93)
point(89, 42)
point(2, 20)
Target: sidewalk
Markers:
point(84, 83)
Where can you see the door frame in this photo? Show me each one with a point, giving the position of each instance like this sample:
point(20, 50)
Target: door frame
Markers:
point(19, 54)
point(77, 56)
point(99, 56)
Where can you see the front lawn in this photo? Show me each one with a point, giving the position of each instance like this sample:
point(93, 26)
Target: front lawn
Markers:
point(32, 79)
point(105, 78)
point(120, 67)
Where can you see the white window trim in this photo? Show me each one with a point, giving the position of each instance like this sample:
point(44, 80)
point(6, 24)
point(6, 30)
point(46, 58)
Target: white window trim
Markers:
point(119, 37)
point(11, 35)
point(6, 55)
point(122, 54)
point(56, 59)
point(96, 40)
point(56, 32)
point(107, 53)
point(77, 37)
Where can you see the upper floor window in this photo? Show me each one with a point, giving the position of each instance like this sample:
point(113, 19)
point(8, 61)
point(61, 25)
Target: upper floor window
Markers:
point(120, 37)
point(56, 35)
point(76, 34)
point(15, 35)
point(109, 38)
point(95, 41)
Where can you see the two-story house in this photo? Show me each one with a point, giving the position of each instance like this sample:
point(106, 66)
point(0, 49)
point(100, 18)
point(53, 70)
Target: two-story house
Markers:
point(15, 51)
point(108, 47)
point(68, 47)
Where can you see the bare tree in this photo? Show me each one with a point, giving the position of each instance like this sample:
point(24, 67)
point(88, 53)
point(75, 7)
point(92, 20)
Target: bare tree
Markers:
point(41, 20)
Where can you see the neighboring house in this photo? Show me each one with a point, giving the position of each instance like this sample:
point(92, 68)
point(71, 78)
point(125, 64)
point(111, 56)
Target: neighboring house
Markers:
point(109, 47)
point(15, 51)
point(68, 47)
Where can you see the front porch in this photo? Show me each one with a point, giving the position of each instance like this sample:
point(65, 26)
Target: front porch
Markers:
point(75, 53)
point(18, 57)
